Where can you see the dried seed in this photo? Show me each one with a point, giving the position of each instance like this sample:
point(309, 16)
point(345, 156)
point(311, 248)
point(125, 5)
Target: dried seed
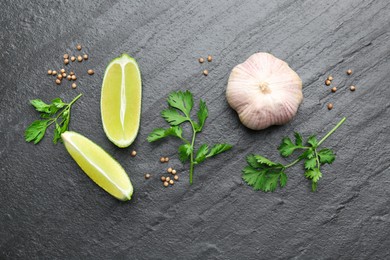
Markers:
point(54, 73)
point(209, 58)
point(49, 72)
point(162, 159)
point(330, 78)
point(62, 70)
point(163, 178)
point(176, 177)
point(58, 81)
point(74, 85)
point(66, 61)
point(74, 77)
point(167, 179)
point(173, 172)
point(169, 170)
point(73, 58)
point(79, 58)
point(90, 72)
point(334, 89)
point(349, 72)
point(71, 73)
point(85, 56)
point(66, 56)
point(330, 106)
point(166, 184)
point(147, 176)
point(133, 153)
point(352, 88)
point(78, 47)
point(64, 75)
point(201, 60)
point(327, 82)
point(69, 77)
point(171, 182)
point(59, 76)
point(205, 72)
point(166, 159)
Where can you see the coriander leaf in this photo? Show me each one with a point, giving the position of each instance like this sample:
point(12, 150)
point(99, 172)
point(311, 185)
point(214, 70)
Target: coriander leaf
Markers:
point(174, 131)
point(308, 154)
point(182, 101)
point(185, 151)
point(57, 102)
point(57, 134)
point(36, 131)
point(254, 177)
point(40, 106)
point(173, 117)
point(202, 115)
point(262, 160)
point(287, 147)
point(298, 139)
point(65, 123)
point(156, 134)
point(310, 163)
point(271, 182)
point(312, 140)
point(283, 179)
point(201, 153)
point(219, 148)
point(313, 174)
point(252, 161)
point(326, 156)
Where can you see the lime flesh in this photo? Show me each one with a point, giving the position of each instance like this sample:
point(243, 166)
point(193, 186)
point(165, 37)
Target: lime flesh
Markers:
point(121, 100)
point(98, 165)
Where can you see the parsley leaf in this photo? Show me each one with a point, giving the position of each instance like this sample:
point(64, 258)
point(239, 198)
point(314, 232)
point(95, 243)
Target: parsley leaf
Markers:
point(263, 174)
point(182, 102)
point(51, 114)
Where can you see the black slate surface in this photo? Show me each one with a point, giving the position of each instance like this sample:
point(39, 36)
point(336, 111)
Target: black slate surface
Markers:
point(49, 209)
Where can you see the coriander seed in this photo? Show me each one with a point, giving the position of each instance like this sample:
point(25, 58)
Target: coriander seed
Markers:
point(166, 159)
point(205, 72)
point(73, 58)
point(85, 57)
point(79, 58)
point(209, 58)
point(58, 81)
point(147, 176)
point(64, 75)
point(352, 88)
point(169, 170)
point(173, 171)
point(78, 47)
point(74, 77)
point(330, 78)
point(162, 159)
point(69, 77)
point(71, 73)
point(327, 82)
point(162, 178)
point(74, 85)
point(349, 72)
point(66, 61)
point(167, 179)
point(166, 184)
point(90, 72)
point(62, 70)
point(59, 76)
point(133, 153)
point(171, 182)
point(49, 72)
point(176, 177)
point(330, 106)
point(66, 56)
point(201, 60)
point(334, 89)
point(54, 72)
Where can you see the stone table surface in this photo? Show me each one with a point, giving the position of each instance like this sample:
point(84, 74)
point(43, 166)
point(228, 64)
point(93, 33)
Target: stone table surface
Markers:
point(49, 209)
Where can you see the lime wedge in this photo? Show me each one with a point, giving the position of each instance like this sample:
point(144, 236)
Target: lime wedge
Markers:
point(121, 100)
point(98, 165)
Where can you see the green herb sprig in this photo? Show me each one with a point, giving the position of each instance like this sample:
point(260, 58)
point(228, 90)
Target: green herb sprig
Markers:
point(180, 106)
point(265, 175)
point(57, 113)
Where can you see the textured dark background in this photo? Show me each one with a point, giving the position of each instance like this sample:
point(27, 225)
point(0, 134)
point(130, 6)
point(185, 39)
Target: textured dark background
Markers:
point(50, 209)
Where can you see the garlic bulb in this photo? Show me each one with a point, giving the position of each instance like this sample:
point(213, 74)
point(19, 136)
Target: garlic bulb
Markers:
point(264, 91)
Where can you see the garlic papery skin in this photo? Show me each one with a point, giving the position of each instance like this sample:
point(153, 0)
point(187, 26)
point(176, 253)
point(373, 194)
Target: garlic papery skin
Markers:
point(264, 91)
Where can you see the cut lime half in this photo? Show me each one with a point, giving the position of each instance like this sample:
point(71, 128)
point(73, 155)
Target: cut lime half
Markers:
point(98, 165)
point(120, 102)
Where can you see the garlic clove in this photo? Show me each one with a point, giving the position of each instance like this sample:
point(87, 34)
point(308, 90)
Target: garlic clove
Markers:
point(264, 91)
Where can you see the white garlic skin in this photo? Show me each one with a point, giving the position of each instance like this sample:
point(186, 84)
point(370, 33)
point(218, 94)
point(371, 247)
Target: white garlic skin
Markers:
point(264, 91)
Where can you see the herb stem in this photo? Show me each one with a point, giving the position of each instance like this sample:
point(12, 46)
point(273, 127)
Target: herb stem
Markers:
point(192, 151)
point(292, 164)
point(332, 131)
